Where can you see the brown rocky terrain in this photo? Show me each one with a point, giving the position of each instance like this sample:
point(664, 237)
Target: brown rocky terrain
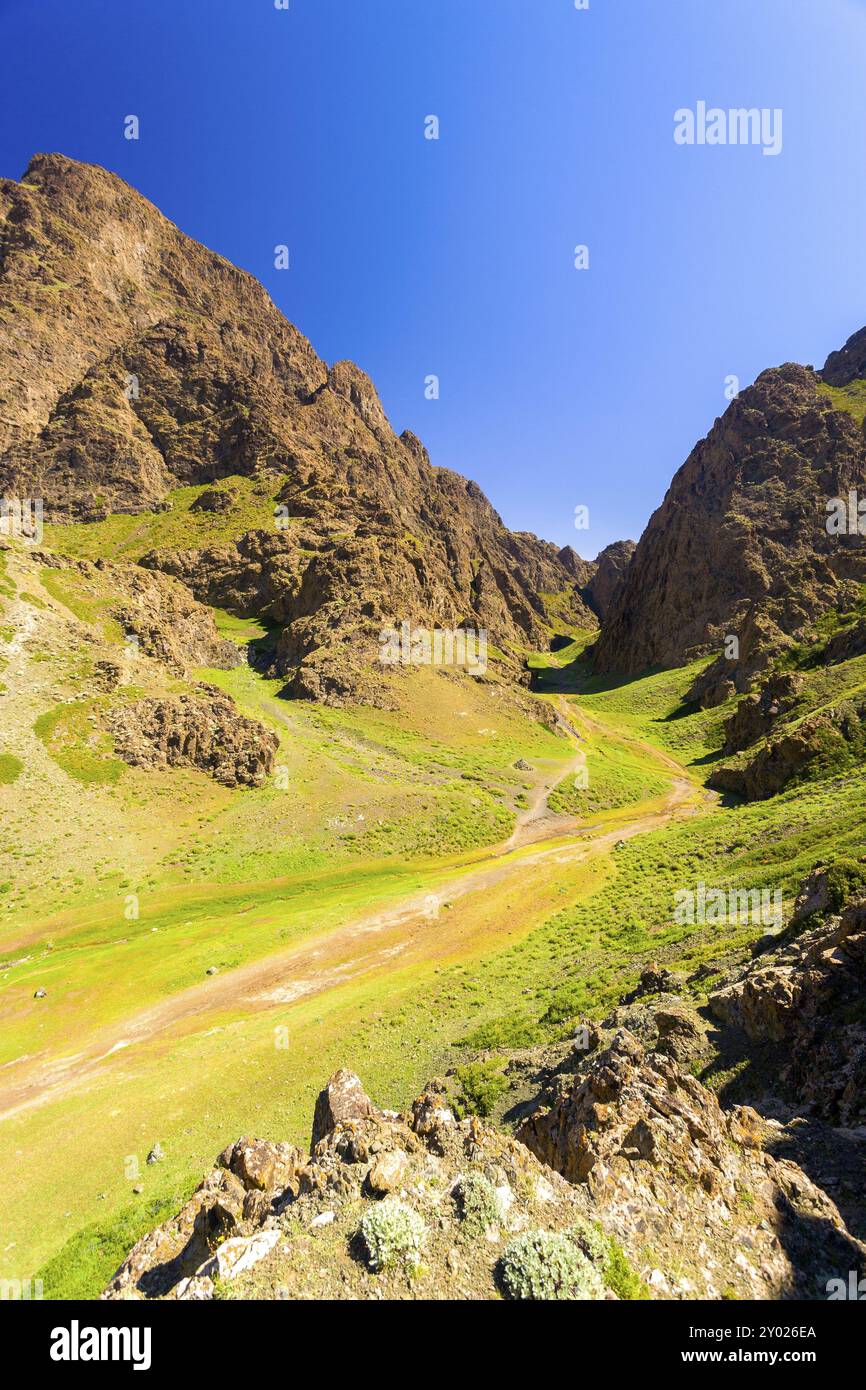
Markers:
point(635, 1166)
point(134, 360)
point(808, 995)
point(831, 741)
point(740, 544)
point(207, 732)
point(168, 623)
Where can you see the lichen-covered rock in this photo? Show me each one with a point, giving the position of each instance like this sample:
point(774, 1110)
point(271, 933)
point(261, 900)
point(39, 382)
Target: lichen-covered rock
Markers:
point(682, 1201)
point(262, 1166)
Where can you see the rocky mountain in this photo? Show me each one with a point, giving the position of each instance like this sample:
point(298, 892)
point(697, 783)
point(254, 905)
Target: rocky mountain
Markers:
point(609, 569)
point(134, 361)
point(740, 546)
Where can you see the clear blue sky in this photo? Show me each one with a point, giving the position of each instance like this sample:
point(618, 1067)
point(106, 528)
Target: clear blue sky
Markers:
point(558, 387)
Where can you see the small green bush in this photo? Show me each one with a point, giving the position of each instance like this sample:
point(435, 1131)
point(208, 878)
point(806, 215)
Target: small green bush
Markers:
point(481, 1085)
point(392, 1233)
point(545, 1265)
point(477, 1203)
point(10, 769)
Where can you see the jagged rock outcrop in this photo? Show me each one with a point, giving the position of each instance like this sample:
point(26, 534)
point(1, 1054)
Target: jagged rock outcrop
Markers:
point(658, 1154)
point(133, 360)
point(808, 994)
point(205, 731)
point(271, 1222)
point(666, 1195)
point(829, 742)
point(756, 714)
point(740, 546)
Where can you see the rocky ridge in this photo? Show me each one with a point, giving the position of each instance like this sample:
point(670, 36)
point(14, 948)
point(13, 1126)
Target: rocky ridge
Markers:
point(740, 546)
point(135, 361)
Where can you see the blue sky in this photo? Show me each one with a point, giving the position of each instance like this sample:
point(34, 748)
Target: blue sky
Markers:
point(559, 387)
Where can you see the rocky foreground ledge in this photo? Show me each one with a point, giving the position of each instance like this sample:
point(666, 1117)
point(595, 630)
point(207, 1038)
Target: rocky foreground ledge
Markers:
point(626, 1179)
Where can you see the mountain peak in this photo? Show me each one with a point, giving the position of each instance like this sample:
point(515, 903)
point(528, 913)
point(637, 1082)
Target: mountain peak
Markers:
point(849, 363)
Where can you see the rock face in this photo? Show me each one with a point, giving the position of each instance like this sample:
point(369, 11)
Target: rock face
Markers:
point(658, 1155)
point(342, 1102)
point(133, 360)
point(756, 714)
point(161, 613)
point(808, 995)
point(271, 1222)
point(740, 545)
point(206, 732)
point(635, 1159)
point(831, 741)
point(609, 572)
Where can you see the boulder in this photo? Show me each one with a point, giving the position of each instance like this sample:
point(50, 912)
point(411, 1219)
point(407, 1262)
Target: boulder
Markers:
point(388, 1173)
point(343, 1102)
point(262, 1166)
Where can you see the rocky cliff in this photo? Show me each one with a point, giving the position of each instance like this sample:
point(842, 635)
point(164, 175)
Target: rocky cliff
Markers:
point(134, 361)
point(740, 545)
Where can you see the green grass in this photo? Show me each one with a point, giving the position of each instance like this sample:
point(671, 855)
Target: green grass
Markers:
point(615, 775)
point(128, 537)
point(380, 806)
point(851, 398)
point(77, 745)
point(10, 769)
point(89, 1259)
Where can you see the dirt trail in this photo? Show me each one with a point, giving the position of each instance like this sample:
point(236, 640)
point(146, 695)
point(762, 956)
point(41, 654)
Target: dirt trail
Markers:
point(537, 821)
point(413, 929)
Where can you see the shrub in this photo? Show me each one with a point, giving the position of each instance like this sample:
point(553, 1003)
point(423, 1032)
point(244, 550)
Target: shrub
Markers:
point(477, 1203)
point(545, 1265)
point(10, 768)
point(392, 1233)
point(481, 1085)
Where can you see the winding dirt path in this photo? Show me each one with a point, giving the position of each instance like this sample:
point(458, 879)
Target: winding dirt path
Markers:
point(411, 930)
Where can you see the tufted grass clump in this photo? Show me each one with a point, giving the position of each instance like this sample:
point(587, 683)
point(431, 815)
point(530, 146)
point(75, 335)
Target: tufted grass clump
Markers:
point(621, 1277)
point(477, 1204)
point(392, 1234)
point(544, 1265)
point(481, 1083)
point(591, 1240)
